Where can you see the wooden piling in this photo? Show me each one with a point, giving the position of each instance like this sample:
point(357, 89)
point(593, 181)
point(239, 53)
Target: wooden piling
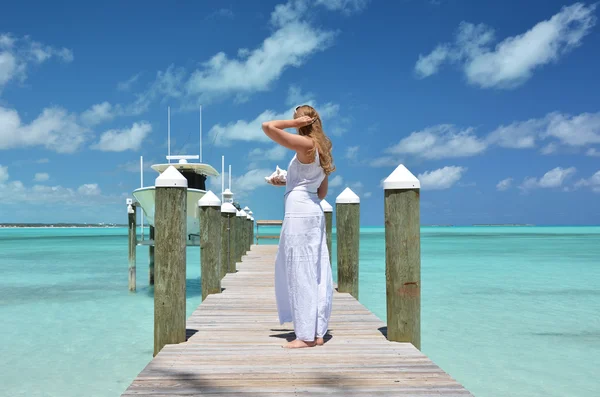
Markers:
point(348, 228)
point(170, 250)
point(328, 211)
point(132, 230)
point(248, 233)
point(151, 258)
point(228, 218)
point(240, 233)
point(251, 228)
point(247, 242)
point(403, 256)
point(210, 244)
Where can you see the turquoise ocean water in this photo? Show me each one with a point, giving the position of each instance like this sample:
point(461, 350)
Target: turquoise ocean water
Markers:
point(507, 311)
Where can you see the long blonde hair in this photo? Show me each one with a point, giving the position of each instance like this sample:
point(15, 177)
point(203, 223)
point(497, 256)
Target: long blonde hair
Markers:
point(315, 132)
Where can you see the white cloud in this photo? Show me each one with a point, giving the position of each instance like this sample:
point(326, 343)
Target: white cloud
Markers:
point(384, 161)
point(577, 131)
point(440, 141)
point(134, 166)
point(592, 182)
point(3, 174)
point(336, 181)
point(563, 129)
point(17, 54)
point(276, 153)
point(513, 60)
point(243, 184)
point(54, 129)
point(442, 178)
point(592, 152)
point(43, 161)
point(125, 139)
point(87, 195)
point(292, 42)
point(89, 189)
point(41, 177)
point(504, 184)
point(345, 6)
point(551, 179)
point(550, 148)
point(98, 113)
point(351, 152)
point(296, 97)
point(128, 84)
point(518, 135)
point(251, 131)
point(367, 194)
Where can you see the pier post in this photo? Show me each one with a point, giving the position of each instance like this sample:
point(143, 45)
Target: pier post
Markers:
point(403, 256)
point(170, 250)
point(247, 230)
point(328, 210)
point(227, 238)
point(132, 230)
point(248, 225)
point(151, 257)
point(241, 232)
point(348, 228)
point(251, 237)
point(210, 244)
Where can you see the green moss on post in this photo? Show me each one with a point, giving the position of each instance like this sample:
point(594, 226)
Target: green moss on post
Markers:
point(227, 238)
point(328, 210)
point(240, 233)
point(210, 244)
point(348, 229)
point(132, 230)
point(170, 256)
point(151, 258)
point(403, 256)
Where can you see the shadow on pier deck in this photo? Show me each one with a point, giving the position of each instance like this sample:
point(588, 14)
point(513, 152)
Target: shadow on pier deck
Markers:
point(234, 348)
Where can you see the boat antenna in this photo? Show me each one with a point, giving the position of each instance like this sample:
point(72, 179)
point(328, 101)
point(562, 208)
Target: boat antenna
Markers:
point(222, 177)
point(200, 133)
point(229, 176)
point(169, 133)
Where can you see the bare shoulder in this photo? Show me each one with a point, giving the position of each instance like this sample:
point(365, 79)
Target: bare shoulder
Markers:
point(303, 152)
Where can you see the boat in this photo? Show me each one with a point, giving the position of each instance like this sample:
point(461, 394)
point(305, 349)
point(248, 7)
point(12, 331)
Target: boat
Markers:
point(196, 174)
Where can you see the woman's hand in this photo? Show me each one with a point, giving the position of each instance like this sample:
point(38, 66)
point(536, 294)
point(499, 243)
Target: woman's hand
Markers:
point(303, 121)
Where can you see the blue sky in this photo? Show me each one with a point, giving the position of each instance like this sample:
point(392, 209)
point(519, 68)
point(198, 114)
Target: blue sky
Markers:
point(493, 105)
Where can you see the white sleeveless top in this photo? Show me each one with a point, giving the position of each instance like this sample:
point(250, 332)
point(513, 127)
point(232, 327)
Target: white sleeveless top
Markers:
point(304, 177)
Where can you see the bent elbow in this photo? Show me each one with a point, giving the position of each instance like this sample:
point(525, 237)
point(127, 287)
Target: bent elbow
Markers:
point(266, 126)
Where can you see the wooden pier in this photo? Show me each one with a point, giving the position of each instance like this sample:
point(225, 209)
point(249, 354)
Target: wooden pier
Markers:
point(234, 347)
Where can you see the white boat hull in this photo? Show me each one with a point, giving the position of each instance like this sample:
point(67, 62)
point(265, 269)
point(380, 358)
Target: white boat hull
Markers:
point(146, 199)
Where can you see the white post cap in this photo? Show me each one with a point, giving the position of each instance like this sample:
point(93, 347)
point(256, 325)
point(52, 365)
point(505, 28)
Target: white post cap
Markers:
point(209, 200)
point(250, 213)
point(241, 213)
point(228, 208)
point(248, 216)
point(252, 219)
point(347, 197)
point(326, 206)
point(228, 195)
point(171, 178)
point(129, 201)
point(246, 209)
point(401, 178)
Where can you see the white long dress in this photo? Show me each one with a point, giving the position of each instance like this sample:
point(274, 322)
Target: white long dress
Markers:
point(303, 281)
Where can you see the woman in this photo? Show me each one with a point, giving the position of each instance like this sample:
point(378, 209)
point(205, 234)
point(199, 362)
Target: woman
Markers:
point(303, 283)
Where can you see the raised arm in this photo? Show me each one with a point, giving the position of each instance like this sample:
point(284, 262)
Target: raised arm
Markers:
point(322, 190)
point(275, 130)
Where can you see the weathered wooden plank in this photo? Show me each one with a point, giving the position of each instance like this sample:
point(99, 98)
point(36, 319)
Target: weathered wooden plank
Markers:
point(235, 349)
